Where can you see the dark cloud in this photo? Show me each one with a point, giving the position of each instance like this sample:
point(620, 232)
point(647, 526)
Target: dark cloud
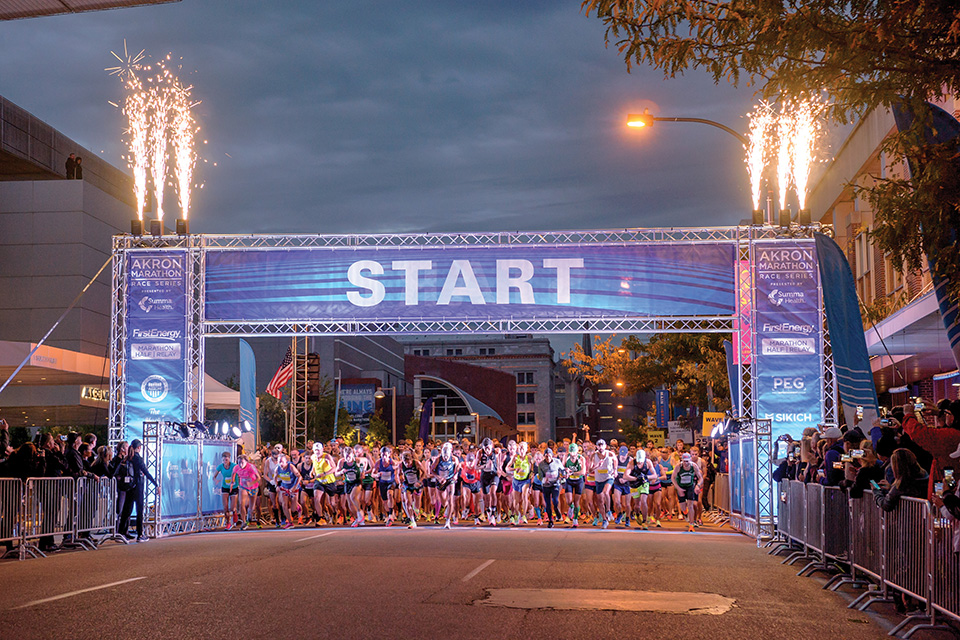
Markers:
point(400, 117)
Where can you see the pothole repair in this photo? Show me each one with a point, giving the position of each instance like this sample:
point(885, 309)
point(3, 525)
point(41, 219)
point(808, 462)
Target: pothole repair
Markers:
point(682, 602)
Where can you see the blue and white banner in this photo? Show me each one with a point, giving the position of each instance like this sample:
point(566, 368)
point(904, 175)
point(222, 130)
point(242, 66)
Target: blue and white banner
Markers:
point(156, 338)
point(663, 407)
point(473, 283)
point(850, 358)
point(358, 400)
point(788, 336)
point(248, 384)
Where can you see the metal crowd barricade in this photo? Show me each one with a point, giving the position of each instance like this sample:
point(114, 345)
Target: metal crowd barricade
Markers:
point(782, 539)
point(813, 527)
point(721, 498)
point(11, 510)
point(48, 511)
point(945, 566)
point(96, 511)
point(797, 503)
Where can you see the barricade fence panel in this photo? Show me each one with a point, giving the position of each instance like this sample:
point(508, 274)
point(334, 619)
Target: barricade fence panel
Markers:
point(783, 512)
point(945, 565)
point(96, 505)
point(813, 530)
point(11, 508)
point(798, 510)
point(836, 523)
point(867, 539)
point(48, 507)
point(904, 535)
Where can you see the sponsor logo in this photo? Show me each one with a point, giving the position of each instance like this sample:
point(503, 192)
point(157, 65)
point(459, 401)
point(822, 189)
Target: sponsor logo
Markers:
point(788, 327)
point(778, 298)
point(787, 346)
point(789, 417)
point(148, 304)
point(157, 334)
point(788, 384)
point(155, 351)
point(154, 388)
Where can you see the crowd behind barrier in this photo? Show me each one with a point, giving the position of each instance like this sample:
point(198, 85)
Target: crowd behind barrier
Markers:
point(910, 550)
point(83, 511)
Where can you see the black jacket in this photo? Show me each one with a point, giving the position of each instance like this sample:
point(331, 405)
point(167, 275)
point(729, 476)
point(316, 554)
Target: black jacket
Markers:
point(54, 466)
point(139, 471)
point(74, 463)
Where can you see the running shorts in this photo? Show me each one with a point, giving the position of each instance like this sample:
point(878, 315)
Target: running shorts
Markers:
point(518, 485)
point(348, 487)
point(227, 491)
point(384, 488)
point(473, 487)
point(621, 487)
point(488, 479)
point(329, 488)
point(575, 486)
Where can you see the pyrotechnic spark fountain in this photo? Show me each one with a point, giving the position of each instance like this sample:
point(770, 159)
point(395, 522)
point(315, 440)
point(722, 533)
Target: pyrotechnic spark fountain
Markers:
point(761, 120)
point(159, 116)
point(183, 132)
point(135, 108)
point(784, 153)
point(806, 130)
point(160, 104)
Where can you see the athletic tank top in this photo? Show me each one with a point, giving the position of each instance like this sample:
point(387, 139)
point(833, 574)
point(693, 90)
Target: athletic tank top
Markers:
point(351, 473)
point(286, 478)
point(305, 468)
point(574, 468)
point(323, 471)
point(521, 468)
point(386, 472)
point(488, 463)
point(411, 474)
point(469, 474)
point(687, 477)
point(603, 469)
point(446, 469)
point(622, 467)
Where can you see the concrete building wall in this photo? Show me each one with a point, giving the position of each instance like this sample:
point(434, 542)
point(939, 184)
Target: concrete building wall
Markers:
point(54, 237)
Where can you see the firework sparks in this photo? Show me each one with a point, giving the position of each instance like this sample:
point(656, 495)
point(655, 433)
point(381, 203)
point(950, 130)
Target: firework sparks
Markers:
point(129, 64)
point(806, 130)
point(160, 108)
point(761, 120)
point(135, 108)
point(784, 154)
point(183, 132)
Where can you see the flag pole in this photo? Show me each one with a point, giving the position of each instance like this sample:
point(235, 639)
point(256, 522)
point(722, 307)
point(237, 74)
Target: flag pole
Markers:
point(336, 407)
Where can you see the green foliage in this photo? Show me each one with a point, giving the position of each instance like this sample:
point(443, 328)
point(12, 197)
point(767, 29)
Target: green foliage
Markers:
point(862, 54)
point(689, 364)
point(378, 430)
point(635, 432)
point(273, 419)
point(412, 430)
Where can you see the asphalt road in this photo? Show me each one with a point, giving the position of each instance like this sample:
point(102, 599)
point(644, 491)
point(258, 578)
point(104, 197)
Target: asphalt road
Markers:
point(375, 582)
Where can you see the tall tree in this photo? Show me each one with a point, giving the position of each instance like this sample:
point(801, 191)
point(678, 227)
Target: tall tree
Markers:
point(863, 54)
point(692, 365)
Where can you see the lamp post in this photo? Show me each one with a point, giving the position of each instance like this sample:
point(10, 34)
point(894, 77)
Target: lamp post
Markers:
point(645, 119)
point(380, 395)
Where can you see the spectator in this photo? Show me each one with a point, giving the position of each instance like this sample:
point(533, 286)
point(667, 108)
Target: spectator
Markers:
point(869, 468)
point(101, 465)
point(909, 479)
point(138, 472)
point(25, 462)
point(54, 466)
point(884, 448)
point(949, 506)
point(74, 460)
point(71, 166)
point(832, 466)
point(79, 169)
point(938, 442)
point(5, 448)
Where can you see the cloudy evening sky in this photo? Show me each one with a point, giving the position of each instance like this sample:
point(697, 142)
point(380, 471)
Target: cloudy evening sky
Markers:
point(399, 116)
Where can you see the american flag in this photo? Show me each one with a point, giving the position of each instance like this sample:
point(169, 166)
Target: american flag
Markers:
point(282, 376)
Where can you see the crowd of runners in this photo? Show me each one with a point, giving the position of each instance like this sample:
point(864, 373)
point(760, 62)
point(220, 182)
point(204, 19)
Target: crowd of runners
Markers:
point(450, 483)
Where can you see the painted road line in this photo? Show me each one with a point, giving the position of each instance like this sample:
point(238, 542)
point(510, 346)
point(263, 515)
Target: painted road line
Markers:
point(319, 535)
point(76, 593)
point(473, 573)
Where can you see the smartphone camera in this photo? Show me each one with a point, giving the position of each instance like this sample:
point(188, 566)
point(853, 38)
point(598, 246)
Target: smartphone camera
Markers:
point(856, 453)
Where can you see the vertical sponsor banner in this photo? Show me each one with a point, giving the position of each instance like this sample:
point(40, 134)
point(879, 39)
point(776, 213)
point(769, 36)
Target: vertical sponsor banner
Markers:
point(156, 338)
point(248, 384)
point(788, 336)
point(663, 407)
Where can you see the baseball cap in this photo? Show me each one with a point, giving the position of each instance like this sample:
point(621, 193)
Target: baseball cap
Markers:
point(685, 457)
point(573, 448)
point(833, 432)
point(624, 451)
point(601, 441)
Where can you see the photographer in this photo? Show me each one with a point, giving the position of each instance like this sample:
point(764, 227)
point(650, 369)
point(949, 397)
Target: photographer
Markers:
point(832, 465)
point(949, 505)
point(919, 423)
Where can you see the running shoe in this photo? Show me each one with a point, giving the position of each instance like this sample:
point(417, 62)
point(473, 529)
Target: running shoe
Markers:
point(595, 522)
point(288, 525)
point(243, 527)
point(550, 525)
point(643, 526)
point(355, 523)
point(697, 524)
point(476, 522)
point(619, 519)
point(658, 524)
point(412, 525)
point(446, 525)
point(523, 519)
point(574, 525)
point(690, 528)
point(229, 526)
point(389, 521)
point(604, 526)
point(539, 522)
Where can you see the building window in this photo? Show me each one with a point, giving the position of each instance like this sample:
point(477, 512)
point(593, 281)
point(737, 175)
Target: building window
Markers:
point(526, 417)
point(525, 398)
point(421, 352)
point(488, 351)
point(560, 389)
point(524, 377)
point(454, 352)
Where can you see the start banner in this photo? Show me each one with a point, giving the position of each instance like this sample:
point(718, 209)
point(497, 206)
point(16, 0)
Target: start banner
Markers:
point(470, 282)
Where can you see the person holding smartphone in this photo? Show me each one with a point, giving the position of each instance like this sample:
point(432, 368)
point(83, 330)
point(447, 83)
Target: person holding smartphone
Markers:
point(948, 502)
point(918, 423)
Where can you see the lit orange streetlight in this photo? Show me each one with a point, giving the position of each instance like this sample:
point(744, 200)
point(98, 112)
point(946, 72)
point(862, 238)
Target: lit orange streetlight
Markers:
point(646, 119)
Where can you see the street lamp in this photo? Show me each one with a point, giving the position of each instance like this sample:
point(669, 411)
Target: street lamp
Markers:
point(646, 119)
